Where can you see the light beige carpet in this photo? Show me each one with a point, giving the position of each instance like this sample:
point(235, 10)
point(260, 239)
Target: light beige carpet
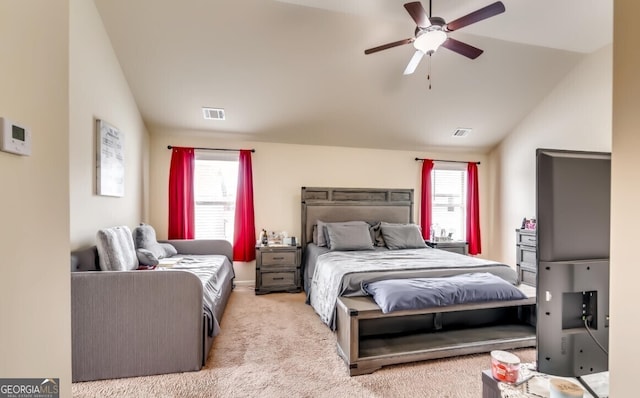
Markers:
point(276, 346)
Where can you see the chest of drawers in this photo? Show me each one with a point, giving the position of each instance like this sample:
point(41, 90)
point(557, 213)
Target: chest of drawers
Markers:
point(526, 261)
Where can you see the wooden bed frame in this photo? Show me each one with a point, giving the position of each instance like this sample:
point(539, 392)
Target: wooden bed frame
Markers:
point(367, 339)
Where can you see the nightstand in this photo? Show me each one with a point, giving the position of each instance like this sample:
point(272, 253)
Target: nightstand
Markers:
point(454, 246)
point(278, 269)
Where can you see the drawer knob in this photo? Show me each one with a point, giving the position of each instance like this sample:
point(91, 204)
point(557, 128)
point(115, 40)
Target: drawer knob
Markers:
point(278, 279)
point(278, 258)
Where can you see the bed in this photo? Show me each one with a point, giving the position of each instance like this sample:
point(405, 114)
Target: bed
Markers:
point(370, 333)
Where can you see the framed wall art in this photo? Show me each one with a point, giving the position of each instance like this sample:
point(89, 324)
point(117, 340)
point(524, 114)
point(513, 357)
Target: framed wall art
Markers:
point(109, 160)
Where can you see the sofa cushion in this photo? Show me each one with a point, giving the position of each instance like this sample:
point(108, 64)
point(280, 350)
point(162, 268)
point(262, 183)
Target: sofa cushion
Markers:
point(116, 250)
point(144, 237)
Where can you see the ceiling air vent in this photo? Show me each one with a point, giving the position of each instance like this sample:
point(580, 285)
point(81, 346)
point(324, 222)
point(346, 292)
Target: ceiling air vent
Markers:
point(461, 132)
point(213, 113)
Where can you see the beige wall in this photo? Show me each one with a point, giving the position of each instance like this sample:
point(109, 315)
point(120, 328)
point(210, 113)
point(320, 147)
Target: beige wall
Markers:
point(35, 332)
point(280, 170)
point(625, 212)
point(576, 115)
point(98, 90)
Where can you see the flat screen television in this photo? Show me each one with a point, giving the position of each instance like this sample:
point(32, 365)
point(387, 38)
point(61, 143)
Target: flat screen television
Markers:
point(573, 192)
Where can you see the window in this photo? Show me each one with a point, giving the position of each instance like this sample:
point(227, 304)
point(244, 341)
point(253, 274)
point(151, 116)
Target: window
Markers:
point(449, 200)
point(215, 182)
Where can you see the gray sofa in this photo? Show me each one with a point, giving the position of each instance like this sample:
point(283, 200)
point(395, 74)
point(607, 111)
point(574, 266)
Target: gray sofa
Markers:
point(142, 322)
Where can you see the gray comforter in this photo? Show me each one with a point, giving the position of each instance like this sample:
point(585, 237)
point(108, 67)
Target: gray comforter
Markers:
point(342, 273)
point(212, 270)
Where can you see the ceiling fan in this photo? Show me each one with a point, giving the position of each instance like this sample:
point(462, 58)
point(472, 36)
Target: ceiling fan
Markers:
point(431, 33)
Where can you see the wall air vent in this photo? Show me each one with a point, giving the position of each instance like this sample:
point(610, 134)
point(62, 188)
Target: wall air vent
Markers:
point(461, 132)
point(213, 113)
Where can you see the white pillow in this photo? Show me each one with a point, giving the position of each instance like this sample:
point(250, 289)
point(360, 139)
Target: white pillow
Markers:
point(115, 249)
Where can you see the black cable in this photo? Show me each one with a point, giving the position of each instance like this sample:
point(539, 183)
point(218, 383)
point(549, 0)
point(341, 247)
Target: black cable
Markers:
point(588, 387)
point(586, 326)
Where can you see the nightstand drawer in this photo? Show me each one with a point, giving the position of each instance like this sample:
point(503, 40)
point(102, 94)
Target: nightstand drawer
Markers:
point(526, 255)
point(527, 277)
point(274, 279)
point(279, 258)
point(525, 239)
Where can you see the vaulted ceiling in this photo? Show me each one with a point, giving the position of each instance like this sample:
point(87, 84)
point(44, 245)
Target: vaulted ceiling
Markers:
point(294, 71)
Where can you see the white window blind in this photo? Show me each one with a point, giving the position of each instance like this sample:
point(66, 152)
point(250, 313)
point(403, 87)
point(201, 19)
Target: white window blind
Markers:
point(449, 200)
point(215, 183)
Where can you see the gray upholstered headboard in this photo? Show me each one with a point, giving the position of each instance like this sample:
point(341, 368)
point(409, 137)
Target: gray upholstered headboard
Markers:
point(353, 204)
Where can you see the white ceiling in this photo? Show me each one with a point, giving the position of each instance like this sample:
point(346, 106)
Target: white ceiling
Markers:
point(294, 71)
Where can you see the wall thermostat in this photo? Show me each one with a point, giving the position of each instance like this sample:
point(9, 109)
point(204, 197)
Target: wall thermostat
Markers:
point(14, 138)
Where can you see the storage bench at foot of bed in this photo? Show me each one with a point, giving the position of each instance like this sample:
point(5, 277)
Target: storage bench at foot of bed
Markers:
point(369, 339)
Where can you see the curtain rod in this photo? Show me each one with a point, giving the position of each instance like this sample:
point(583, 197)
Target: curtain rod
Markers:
point(449, 161)
point(212, 149)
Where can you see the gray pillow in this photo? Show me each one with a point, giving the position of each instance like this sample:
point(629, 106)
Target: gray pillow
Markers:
point(321, 230)
point(402, 236)
point(320, 238)
point(144, 237)
point(115, 249)
point(146, 257)
point(349, 237)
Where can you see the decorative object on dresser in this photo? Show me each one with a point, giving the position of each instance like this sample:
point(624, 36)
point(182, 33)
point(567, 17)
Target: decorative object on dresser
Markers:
point(278, 269)
point(454, 246)
point(526, 262)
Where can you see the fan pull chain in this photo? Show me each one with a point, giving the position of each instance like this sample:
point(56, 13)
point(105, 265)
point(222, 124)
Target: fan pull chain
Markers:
point(429, 72)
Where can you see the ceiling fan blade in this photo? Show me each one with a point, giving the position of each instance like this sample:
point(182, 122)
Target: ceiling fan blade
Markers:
point(476, 16)
point(389, 45)
point(462, 48)
point(413, 62)
point(419, 15)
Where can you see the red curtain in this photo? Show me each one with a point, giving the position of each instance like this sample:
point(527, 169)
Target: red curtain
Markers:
point(244, 239)
point(425, 199)
point(473, 210)
point(181, 200)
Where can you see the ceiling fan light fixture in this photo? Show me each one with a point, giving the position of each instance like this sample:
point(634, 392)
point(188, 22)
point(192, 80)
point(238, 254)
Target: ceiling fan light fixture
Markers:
point(429, 41)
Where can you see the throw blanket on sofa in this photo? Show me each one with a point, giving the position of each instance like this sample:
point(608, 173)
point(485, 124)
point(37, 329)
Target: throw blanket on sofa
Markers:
point(212, 270)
